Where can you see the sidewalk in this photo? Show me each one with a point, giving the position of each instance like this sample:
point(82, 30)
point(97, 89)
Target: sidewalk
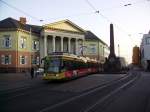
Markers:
point(10, 81)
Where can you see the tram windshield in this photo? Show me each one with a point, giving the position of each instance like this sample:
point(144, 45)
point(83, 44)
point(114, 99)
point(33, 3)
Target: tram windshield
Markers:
point(53, 65)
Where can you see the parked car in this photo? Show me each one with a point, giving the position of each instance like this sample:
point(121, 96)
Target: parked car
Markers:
point(39, 71)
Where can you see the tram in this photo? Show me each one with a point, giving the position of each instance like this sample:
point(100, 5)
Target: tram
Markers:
point(59, 66)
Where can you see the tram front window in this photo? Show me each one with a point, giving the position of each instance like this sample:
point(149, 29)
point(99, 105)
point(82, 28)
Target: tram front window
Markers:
point(54, 66)
point(53, 69)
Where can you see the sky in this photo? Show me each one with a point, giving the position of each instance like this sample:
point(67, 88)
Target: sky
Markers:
point(130, 22)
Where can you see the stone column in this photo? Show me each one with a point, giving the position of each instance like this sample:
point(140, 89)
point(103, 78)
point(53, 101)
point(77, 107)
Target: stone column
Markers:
point(45, 45)
point(69, 39)
point(53, 42)
point(62, 49)
point(76, 48)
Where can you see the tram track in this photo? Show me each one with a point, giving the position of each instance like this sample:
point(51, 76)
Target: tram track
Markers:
point(22, 91)
point(8, 91)
point(99, 105)
point(51, 94)
point(11, 94)
point(25, 90)
point(86, 101)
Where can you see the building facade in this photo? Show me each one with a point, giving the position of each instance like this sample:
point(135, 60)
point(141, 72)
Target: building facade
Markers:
point(22, 46)
point(145, 52)
point(62, 36)
point(95, 48)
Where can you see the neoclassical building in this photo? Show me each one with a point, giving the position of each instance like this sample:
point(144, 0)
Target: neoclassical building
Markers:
point(23, 45)
point(62, 36)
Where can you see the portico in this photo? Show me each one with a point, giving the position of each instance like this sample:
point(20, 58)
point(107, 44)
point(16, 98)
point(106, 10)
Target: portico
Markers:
point(63, 36)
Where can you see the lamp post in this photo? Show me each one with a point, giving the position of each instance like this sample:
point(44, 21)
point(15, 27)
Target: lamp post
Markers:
point(82, 50)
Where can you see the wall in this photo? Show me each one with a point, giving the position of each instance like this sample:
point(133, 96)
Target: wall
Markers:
point(15, 51)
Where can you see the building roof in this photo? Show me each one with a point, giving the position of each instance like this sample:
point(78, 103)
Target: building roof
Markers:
point(91, 36)
point(10, 23)
point(65, 25)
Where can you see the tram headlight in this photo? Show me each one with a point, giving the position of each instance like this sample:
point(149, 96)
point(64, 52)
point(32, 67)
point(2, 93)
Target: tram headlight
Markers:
point(57, 75)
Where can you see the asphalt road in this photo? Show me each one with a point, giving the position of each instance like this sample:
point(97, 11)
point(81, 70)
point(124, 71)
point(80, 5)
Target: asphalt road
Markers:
point(42, 96)
point(49, 97)
point(134, 99)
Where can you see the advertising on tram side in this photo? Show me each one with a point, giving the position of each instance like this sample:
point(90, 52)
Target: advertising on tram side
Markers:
point(58, 67)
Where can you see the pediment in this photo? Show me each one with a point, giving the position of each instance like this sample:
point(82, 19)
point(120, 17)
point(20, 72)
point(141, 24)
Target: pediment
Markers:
point(65, 25)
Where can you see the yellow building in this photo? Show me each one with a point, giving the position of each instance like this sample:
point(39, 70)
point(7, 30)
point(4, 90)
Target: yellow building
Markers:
point(94, 47)
point(23, 46)
point(19, 45)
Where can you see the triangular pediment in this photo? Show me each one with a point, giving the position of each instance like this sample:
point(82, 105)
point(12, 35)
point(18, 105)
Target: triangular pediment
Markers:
point(65, 25)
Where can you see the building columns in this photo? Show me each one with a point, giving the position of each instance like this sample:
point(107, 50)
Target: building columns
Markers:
point(62, 48)
point(76, 46)
point(53, 43)
point(45, 45)
point(69, 39)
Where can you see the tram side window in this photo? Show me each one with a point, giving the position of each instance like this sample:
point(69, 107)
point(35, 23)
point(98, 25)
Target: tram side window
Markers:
point(79, 64)
point(75, 65)
point(67, 65)
point(89, 64)
point(85, 65)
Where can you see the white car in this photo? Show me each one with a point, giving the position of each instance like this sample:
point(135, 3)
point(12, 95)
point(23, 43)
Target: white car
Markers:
point(39, 71)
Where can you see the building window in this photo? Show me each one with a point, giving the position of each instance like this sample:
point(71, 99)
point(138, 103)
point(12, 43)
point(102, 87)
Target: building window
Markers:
point(6, 59)
point(35, 45)
point(148, 40)
point(142, 53)
point(23, 60)
point(7, 41)
point(92, 49)
point(23, 42)
point(35, 60)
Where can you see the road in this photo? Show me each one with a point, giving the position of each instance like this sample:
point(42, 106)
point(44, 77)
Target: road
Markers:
point(93, 93)
point(134, 99)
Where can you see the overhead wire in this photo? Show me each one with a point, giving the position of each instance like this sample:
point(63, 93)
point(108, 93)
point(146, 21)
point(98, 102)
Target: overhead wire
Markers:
point(96, 11)
point(119, 6)
point(106, 18)
point(123, 5)
point(77, 15)
point(42, 20)
point(70, 16)
point(21, 11)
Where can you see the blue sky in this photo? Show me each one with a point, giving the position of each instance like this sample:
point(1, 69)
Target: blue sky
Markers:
point(128, 21)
